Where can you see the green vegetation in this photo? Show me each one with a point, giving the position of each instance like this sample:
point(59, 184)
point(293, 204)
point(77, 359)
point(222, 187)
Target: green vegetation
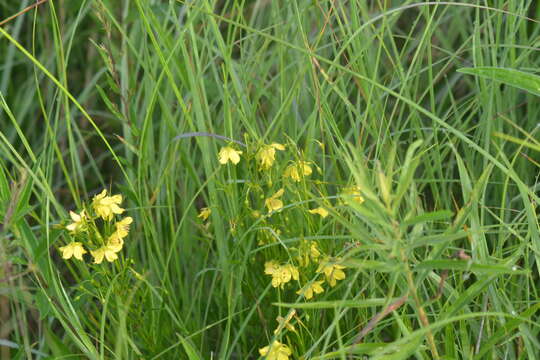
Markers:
point(360, 176)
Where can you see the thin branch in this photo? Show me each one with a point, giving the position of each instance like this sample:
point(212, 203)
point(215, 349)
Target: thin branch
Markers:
point(26, 9)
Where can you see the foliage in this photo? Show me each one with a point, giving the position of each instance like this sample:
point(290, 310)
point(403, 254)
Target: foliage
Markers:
point(304, 179)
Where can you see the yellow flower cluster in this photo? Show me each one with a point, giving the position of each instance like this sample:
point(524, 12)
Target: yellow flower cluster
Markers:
point(85, 227)
point(106, 206)
point(314, 287)
point(276, 351)
point(307, 266)
point(267, 155)
point(281, 274)
point(298, 170)
point(332, 271)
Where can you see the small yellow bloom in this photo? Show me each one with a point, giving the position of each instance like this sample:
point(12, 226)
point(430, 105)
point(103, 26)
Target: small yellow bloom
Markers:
point(298, 170)
point(332, 271)
point(270, 267)
point(355, 193)
point(273, 203)
point(204, 213)
point(267, 155)
point(122, 227)
point(320, 210)
point(283, 274)
point(106, 206)
point(79, 222)
point(308, 290)
point(227, 154)
point(115, 243)
point(276, 351)
point(104, 252)
point(74, 249)
point(116, 240)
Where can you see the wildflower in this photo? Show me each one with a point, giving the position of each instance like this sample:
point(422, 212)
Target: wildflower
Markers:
point(276, 351)
point(270, 267)
point(332, 272)
point(115, 243)
point(273, 203)
point(204, 213)
point(122, 227)
point(106, 206)
point(267, 155)
point(285, 322)
point(116, 240)
point(227, 154)
point(283, 274)
point(79, 222)
point(104, 251)
point(292, 170)
point(74, 249)
point(355, 193)
point(320, 210)
point(308, 290)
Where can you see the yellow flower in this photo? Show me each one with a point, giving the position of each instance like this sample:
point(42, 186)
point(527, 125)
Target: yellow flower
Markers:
point(104, 251)
point(308, 290)
point(270, 267)
point(74, 249)
point(204, 213)
point(276, 351)
point(273, 203)
point(115, 243)
point(355, 193)
point(122, 227)
point(106, 206)
point(293, 172)
point(332, 272)
point(227, 154)
point(320, 210)
point(116, 240)
point(79, 222)
point(267, 155)
point(283, 274)
point(285, 322)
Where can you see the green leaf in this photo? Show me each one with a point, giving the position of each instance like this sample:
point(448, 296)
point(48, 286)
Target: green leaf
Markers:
point(522, 80)
point(403, 352)
point(468, 266)
point(337, 304)
point(190, 350)
point(380, 266)
point(437, 239)
point(429, 217)
point(357, 349)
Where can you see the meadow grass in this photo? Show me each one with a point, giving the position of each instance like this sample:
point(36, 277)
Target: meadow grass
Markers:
point(421, 169)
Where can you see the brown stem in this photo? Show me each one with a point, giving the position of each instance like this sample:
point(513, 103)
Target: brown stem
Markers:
point(26, 9)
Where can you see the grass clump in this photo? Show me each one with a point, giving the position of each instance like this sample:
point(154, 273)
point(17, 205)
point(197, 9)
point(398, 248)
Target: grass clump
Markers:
point(299, 180)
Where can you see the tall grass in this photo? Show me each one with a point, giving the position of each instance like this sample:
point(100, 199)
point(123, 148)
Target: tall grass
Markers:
point(441, 257)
